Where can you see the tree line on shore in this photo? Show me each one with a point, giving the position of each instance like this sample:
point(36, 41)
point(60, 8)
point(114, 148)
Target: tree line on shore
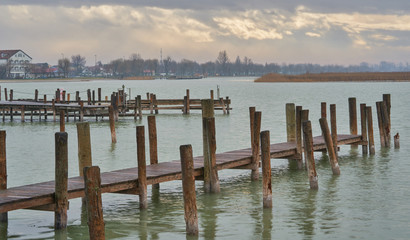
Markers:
point(135, 65)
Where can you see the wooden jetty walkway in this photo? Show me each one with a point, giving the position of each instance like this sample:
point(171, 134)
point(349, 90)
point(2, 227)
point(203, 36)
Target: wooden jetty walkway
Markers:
point(96, 107)
point(300, 145)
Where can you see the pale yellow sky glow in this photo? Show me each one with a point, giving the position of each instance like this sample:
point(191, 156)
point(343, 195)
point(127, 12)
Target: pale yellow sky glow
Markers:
point(273, 35)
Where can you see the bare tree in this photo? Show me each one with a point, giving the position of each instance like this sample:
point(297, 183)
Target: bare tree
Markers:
point(64, 66)
point(78, 62)
point(222, 61)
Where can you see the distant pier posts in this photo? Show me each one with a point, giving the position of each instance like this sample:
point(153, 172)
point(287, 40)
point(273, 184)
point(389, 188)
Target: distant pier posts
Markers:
point(3, 169)
point(61, 180)
point(142, 174)
point(112, 124)
point(329, 145)
point(188, 187)
point(211, 180)
point(153, 149)
point(92, 182)
point(266, 170)
point(308, 140)
point(290, 122)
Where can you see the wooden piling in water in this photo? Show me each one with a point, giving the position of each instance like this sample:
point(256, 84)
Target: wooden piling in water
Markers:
point(84, 146)
point(298, 156)
point(333, 127)
point(252, 122)
point(61, 180)
point(211, 94)
point(387, 101)
point(36, 95)
point(188, 187)
point(139, 106)
point(323, 113)
point(11, 94)
point(329, 145)
point(370, 135)
point(256, 146)
point(290, 122)
point(81, 111)
point(227, 105)
point(304, 118)
point(153, 148)
point(266, 170)
point(308, 140)
point(142, 174)
point(363, 123)
point(386, 123)
point(397, 141)
point(5, 94)
point(3, 169)
point(353, 116)
point(22, 112)
point(99, 96)
point(112, 124)
point(88, 96)
point(92, 184)
point(62, 122)
point(380, 124)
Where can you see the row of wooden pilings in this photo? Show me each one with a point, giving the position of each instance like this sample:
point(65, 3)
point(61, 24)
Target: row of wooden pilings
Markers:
point(297, 119)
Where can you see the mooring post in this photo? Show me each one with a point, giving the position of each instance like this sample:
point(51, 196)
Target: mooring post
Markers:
point(227, 105)
point(323, 111)
point(62, 122)
point(211, 94)
point(290, 122)
point(188, 102)
point(63, 95)
point(84, 146)
point(387, 101)
point(256, 146)
point(53, 103)
point(363, 123)
point(185, 107)
point(93, 97)
point(386, 123)
point(89, 96)
point(353, 116)
point(81, 111)
point(22, 112)
point(153, 148)
point(329, 145)
point(5, 94)
point(308, 140)
point(99, 96)
point(61, 180)
point(36, 95)
point(135, 109)
point(92, 184)
point(142, 174)
point(3, 169)
point(188, 187)
point(298, 156)
point(11, 94)
point(333, 127)
point(370, 135)
point(139, 106)
point(112, 123)
point(304, 118)
point(397, 141)
point(266, 170)
point(380, 124)
point(68, 97)
point(211, 181)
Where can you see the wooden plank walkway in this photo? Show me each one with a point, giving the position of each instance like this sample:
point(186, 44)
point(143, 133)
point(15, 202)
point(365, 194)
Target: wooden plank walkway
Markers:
point(39, 194)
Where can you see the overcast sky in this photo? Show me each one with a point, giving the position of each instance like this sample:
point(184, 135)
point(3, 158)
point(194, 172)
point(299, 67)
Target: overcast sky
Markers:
point(287, 31)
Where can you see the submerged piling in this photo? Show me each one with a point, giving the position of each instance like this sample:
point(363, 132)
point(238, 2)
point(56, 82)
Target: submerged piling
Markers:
point(308, 140)
point(266, 170)
point(61, 180)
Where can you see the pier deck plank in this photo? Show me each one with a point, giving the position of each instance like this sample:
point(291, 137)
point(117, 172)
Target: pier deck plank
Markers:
point(39, 194)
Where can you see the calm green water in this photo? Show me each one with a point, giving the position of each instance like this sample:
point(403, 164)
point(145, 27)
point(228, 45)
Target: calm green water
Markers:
point(369, 200)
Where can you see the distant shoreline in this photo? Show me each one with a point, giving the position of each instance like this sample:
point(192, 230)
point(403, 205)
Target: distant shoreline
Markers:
point(64, 80)
point(338, 77)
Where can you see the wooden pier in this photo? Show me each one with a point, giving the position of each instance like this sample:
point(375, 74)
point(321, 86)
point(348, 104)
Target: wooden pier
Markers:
point(300, 145)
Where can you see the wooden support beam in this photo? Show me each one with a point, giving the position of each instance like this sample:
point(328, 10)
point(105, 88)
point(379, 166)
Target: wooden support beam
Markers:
point(308, 140)
point(363, 123)
point(333, 127)
point(290, 122)
point(323, 113)
point(188, 107)
point(112, 124)
point(99, 96)
point(22, 112)
point(256, 146)
point(62, 121)
point(370, 135)
point(61, 180)
point(298, 156)
point(3, 169)
point(266, 170)
point(353, 116)
point(329, 145)
point(211, 180)
point(142, 174)
point(188, 186)
point(84, 146)
point(304, 118)
point(92, 182)
point(153, 148)
point(383, 141)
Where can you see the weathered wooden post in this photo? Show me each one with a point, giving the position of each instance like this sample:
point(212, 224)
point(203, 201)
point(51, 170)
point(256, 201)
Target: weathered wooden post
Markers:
point(99, 96)
point(63, 95)
point(92, 185)
point(5, 94)
point(57, 98)
point(188, 105)
point(211, 180)
point(387, 101)
point(333, 127)
point(36, 95)
point(81, 111)
point(397, 141)
point(370, 129)
point(139, 106)
point(84, 146)
point(155, 102)
point(151, 103)
point(308, 140)
point(380, 124)
point(185, 107)
point(329, 145)
point(188, 186)
point(386, 123)
point(62, 122)
point(256, 146)
point(142, 174)
point(53, 103)
point(153, 149)
point(77, 96)
point(227, 105)
point(266, 170)
point(298, 156)
point(22, 112)
point(68, 97)
point(89, 96)
point(353, 116)
point(3, 169)
point(252, 122)
point(290, 122)
point(61, 180)
point(304, 118)
point(363, 123)
point(323, 113)
point(221, 101)
point(11, 94)
point(112, 124)
point(93, 97)
point(212, 94)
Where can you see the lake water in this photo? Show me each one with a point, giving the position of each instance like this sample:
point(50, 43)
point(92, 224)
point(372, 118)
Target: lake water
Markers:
point(369, 200)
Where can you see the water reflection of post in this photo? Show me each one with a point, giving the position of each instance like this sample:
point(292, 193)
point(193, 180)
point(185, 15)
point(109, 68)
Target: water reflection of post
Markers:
point(267, 216)
point(209, 216)
point(3, 230)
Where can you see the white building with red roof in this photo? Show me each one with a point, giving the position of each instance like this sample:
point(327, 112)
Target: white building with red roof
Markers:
point(16, 62)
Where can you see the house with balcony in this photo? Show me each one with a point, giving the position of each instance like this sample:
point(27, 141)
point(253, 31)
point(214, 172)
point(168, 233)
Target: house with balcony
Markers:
point(15, 63)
